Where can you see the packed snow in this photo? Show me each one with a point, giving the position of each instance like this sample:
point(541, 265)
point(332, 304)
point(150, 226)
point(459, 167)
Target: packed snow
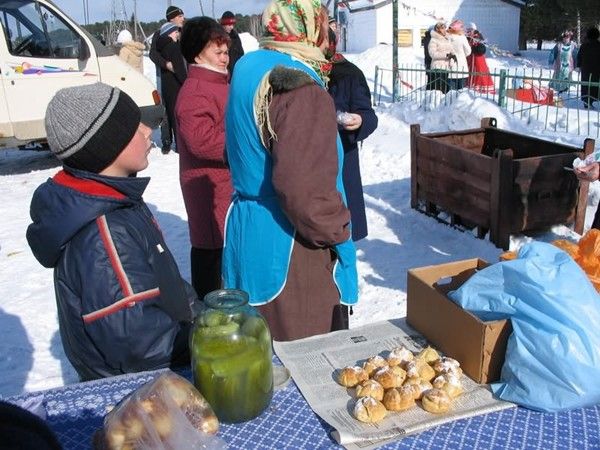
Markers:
point(31, 354)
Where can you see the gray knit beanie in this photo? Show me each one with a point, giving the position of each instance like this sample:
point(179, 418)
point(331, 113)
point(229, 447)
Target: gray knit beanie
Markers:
point(89, 126)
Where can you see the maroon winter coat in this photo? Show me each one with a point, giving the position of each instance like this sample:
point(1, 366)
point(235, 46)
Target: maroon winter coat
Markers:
point(204, 177)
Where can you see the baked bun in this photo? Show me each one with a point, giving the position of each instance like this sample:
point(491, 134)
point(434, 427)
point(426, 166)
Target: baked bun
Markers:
point(436, 401)
point(420, 369)
point(447, 365)
point(418, 386)
point(370, 388)
point(399, 399)
point(449, 383)
point(374, 363)
point(369, 410)
point(399, 356)
point(351, 376)
point(428, 354)
point(390, 377)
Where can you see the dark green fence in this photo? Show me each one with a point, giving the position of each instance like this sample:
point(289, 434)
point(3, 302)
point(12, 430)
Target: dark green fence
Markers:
point(522, 92)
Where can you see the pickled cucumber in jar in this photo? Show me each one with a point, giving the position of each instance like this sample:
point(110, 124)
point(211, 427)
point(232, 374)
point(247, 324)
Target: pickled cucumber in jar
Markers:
point(232, 357)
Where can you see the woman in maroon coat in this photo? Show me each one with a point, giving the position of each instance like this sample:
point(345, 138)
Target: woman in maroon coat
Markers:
point(203, 174)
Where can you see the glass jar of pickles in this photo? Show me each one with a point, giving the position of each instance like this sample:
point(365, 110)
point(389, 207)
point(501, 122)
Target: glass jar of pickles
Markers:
point(230, 344)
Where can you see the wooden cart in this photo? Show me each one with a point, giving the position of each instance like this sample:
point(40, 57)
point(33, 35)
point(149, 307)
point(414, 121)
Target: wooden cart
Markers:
point(497, 180)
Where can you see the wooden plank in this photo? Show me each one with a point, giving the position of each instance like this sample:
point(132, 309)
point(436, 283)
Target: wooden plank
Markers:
point(415, 130)
point(524, 146)
point(435, 187)
point(588, 147)
point(541, 165)
point(501, 191)
point(450, 179)
point(452, 203)
point(448, 133)
point(435, 153)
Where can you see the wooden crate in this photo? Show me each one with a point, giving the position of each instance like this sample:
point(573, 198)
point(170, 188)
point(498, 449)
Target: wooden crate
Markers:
point(497, 181)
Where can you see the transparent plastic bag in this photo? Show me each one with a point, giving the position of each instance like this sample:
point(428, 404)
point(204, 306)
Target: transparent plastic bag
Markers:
point(167, 413)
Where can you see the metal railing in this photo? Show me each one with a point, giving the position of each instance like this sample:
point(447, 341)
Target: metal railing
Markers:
point(525, 93)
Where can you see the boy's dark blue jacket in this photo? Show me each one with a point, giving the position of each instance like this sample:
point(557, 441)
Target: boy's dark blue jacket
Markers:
point(122, 304)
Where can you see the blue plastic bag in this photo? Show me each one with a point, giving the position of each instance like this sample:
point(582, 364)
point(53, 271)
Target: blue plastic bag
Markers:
point(553, 354)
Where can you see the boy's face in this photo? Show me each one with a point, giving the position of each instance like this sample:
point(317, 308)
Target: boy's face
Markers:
point(135, 155)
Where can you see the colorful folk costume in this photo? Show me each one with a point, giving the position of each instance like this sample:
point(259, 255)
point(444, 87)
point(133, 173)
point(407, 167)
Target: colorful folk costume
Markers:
point(562, 58)
point(480, 79)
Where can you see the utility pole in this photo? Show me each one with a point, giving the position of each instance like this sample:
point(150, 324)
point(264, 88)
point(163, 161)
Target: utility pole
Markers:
point(135, 21)
point(394, 49)
point(86, 12)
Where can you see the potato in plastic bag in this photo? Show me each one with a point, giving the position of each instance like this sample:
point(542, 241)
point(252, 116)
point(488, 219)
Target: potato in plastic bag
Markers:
point(167, 413)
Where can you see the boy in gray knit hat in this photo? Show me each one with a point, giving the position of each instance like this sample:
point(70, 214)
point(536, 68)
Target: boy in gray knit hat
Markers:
point(122, 304)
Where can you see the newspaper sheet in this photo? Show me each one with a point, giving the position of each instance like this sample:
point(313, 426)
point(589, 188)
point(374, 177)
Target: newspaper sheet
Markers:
point(313, 362)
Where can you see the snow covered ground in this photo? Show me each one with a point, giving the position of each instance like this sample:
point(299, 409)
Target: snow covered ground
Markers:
point(31, 354)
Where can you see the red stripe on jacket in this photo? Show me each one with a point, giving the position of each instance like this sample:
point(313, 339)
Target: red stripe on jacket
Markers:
point(127, 302)
point(115, 261)
point(87, 186)
point(130, 298)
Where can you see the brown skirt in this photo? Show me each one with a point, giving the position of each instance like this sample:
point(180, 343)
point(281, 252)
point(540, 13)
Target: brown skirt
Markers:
point(309, 303)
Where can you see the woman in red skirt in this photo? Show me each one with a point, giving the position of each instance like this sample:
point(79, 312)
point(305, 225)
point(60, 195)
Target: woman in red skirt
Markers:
point(479, 73)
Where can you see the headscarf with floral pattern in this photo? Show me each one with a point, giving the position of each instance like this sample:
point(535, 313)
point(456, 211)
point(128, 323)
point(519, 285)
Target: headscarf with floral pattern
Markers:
point(292, 27)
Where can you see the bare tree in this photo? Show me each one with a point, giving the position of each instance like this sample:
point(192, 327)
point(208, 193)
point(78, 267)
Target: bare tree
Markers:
point(255, 26)
point(201, 7)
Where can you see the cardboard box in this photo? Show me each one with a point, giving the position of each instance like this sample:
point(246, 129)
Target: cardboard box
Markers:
point(478, 346)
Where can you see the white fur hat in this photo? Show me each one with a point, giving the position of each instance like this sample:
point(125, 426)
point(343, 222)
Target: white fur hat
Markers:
point(124, 36)
point(473, 26)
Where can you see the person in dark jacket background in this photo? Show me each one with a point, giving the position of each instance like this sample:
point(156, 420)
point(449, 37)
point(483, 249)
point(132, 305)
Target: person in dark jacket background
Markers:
point(236, 51)
point(356, 121)
point(122, 304)
point(167, 62)
point(427, 58)
point(588, 61)
point(171, 80)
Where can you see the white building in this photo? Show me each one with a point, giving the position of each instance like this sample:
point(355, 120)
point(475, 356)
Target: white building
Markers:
point(497, 20)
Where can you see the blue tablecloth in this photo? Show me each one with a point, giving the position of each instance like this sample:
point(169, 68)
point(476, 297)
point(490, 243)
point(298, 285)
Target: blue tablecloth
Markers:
point(74, 412)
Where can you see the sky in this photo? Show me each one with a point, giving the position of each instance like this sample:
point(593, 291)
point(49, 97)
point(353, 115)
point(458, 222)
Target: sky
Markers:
point(151, 10)
point(400, 238)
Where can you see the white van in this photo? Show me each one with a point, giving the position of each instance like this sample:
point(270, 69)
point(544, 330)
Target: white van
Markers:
point(41, 51)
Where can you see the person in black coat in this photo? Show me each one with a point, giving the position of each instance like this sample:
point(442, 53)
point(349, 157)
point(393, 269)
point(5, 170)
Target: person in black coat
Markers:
point(166, 64)
point(356, 121)
point(427, 58)
point(236, 51)
point(171, 79)
point(588, 61)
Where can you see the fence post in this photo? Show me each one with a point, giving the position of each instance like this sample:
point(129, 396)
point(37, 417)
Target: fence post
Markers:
point(375, 80)
point(502, 89)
